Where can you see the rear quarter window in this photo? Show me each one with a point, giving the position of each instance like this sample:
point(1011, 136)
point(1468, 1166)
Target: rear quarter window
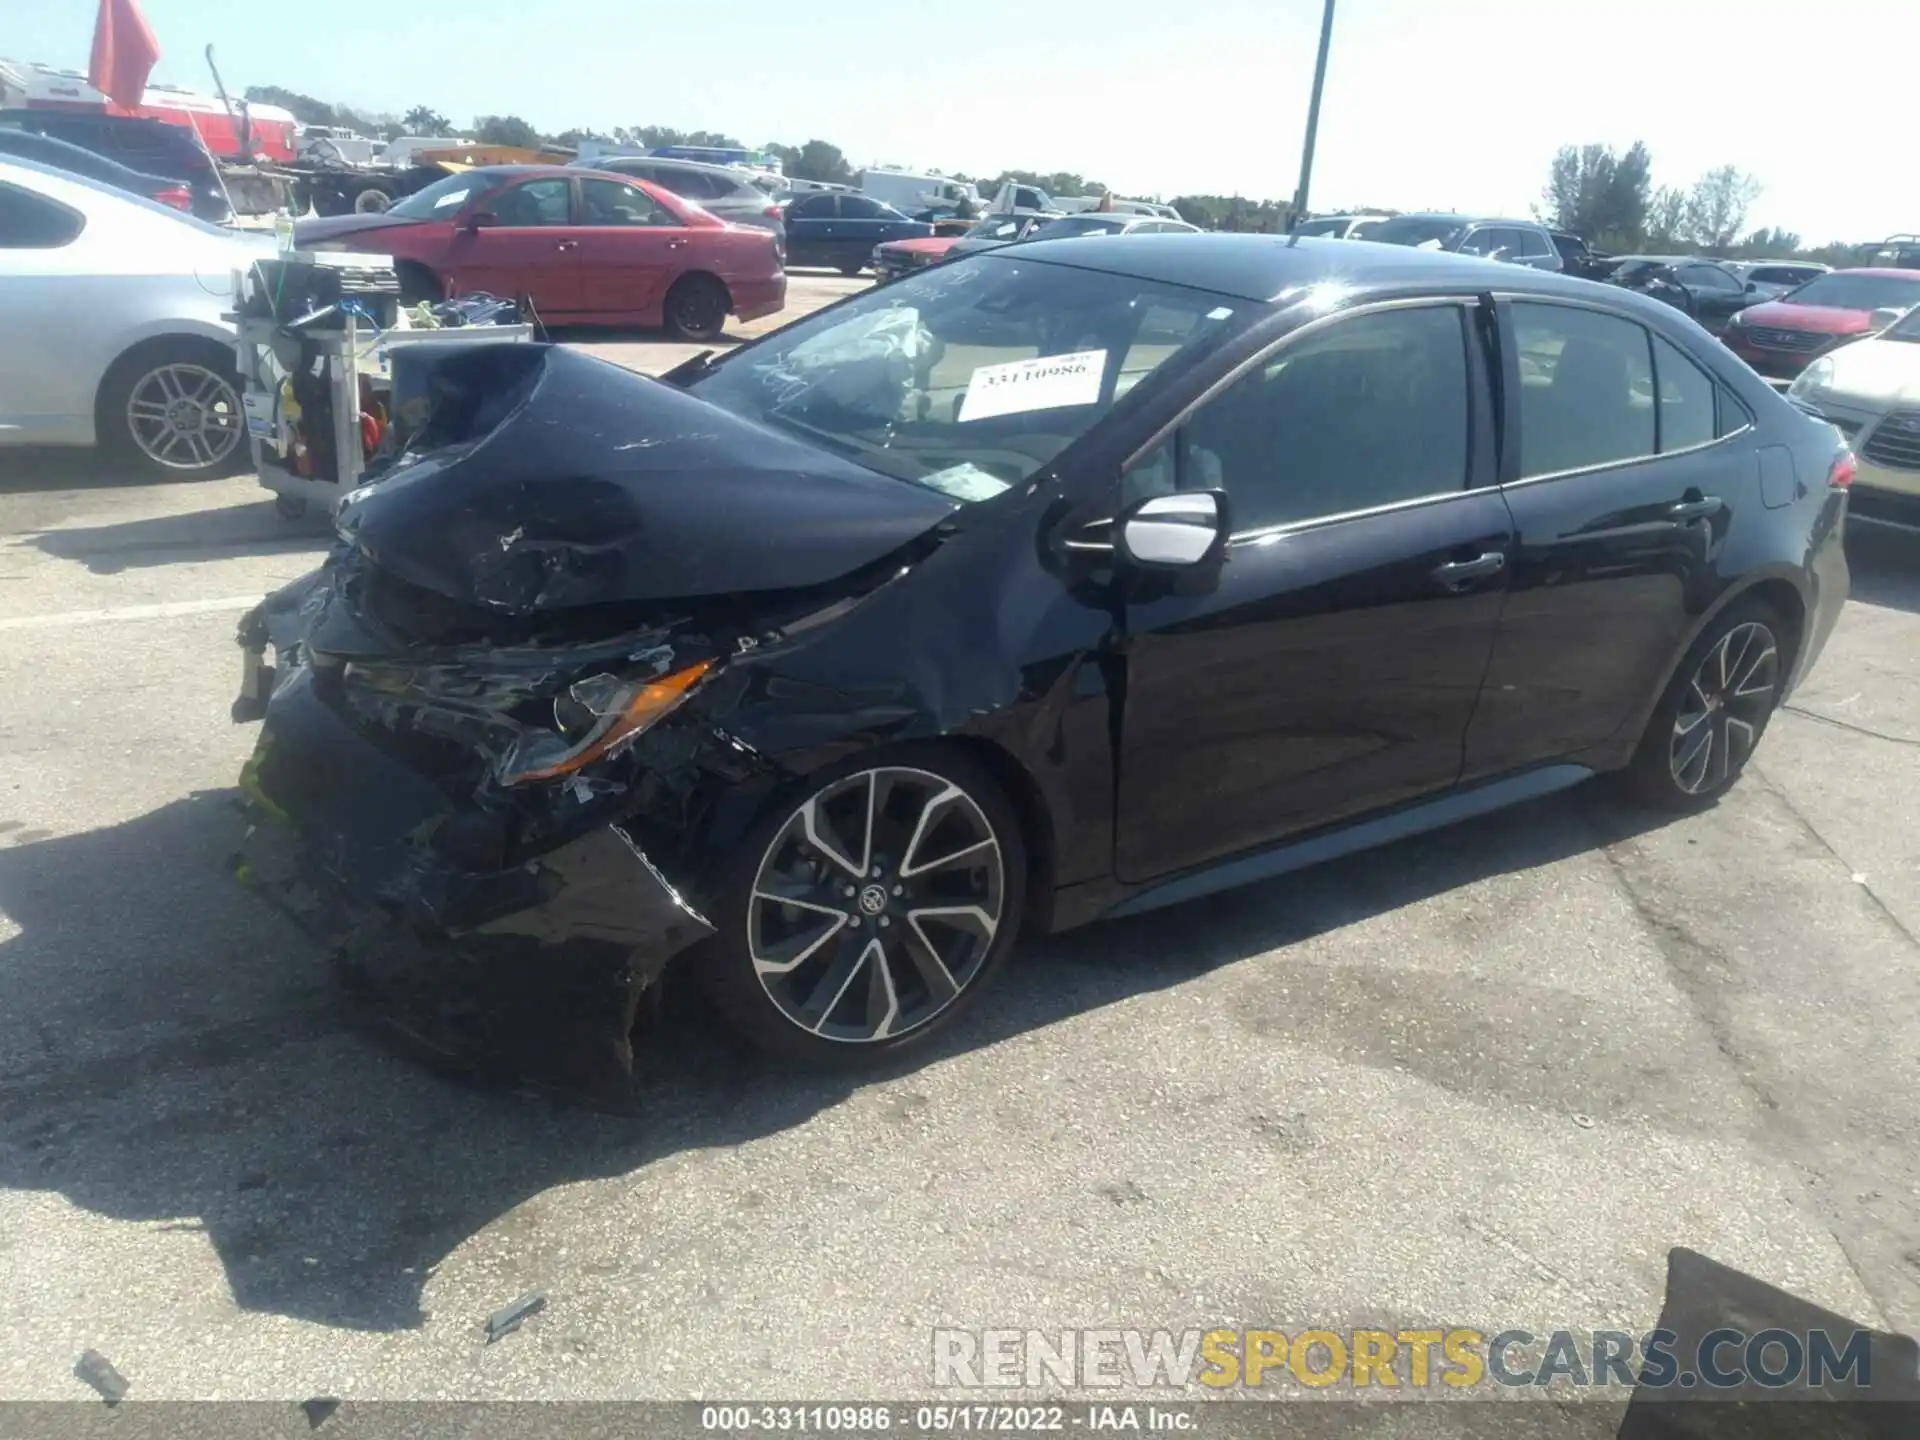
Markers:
point(33, 222)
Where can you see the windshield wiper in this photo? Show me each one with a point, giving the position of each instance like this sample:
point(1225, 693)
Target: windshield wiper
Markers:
point(694, 367)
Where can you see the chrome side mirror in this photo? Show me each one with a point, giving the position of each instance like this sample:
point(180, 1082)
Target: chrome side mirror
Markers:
point(1174, 531)
point(1883, 317)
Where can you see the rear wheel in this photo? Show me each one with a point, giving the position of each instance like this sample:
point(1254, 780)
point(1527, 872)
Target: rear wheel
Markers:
point(869, 917)
point(418, 283)
point(1707, 725)
point(697, 307)
point(371, 201)
point(171, 410)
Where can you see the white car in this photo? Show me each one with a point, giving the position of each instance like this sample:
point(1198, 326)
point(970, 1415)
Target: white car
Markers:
point(1869, 390)
point(113, 332)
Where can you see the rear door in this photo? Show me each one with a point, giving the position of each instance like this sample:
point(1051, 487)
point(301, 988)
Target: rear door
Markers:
point(1334, 668)
point(630, 248)
point(528, 250)
point(1620, 503)
point(1717, 293)
point(863, 223)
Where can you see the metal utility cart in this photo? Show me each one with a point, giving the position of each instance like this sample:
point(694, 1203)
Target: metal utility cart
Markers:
point(315, 346)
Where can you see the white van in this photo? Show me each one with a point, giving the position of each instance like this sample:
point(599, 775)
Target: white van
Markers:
point(911, 193)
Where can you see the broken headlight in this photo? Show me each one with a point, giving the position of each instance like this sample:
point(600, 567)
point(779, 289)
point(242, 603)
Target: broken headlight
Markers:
point(595, 718)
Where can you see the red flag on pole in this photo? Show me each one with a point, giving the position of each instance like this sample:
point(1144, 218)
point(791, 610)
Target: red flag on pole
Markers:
point(124, 51)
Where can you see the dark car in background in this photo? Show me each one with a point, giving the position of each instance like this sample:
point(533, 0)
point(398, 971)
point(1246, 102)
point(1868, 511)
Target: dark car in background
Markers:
point(1708, 290)
point(1061, 582)
point(151, 147)
point(25, 145)
point(1519, 242)
point(840, 229)
point(1779, 338)
point(1579, 258)
point(718, 189)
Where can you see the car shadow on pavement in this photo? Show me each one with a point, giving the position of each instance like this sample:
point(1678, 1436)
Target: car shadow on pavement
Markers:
point(1885, 566)
point(67, 467)
point(256, 529)
point(173, 1053)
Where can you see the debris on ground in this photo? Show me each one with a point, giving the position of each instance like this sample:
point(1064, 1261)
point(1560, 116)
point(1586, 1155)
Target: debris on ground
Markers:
point(96, 1370)
point(504, 1322)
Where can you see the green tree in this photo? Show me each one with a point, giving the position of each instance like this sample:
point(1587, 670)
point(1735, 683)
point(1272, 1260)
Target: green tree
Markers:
point(1717, 206)
point(505, 130)
point(1234, 212)
point(425, 120)
point(1599, 195)
point(1769, 244)
point(304, 108)
point(816, 160)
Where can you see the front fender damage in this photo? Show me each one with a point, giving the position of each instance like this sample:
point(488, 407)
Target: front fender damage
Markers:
point(507, 928)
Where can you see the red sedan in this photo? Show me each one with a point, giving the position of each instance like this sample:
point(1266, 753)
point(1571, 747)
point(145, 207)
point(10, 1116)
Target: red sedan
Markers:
point(582, 245)
point(1780, 338)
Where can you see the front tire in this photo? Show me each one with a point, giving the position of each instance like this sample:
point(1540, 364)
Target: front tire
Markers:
point(868, 917)
point(1708, 723)
point(697, 307)
point(170, 410)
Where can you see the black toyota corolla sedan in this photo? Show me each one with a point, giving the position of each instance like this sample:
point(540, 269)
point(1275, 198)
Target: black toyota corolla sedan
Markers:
point(1056, 583)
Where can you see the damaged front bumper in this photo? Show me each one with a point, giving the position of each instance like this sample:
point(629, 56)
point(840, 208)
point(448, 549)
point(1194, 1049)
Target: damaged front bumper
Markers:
point(531, 970)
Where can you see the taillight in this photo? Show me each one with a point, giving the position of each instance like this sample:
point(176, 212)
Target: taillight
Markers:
point(178, 196)
point(1840, 477)
point(772, 212)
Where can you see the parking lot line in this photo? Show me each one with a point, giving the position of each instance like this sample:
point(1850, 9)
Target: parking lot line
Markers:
point(129, 612)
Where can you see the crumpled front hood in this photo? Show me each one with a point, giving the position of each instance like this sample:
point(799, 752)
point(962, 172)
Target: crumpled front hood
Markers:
point(531, 478)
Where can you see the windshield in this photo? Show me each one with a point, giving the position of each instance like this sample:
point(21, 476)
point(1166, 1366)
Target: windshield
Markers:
point(1859, 292)
point(1906, 328)
point(970, 377)
point(442, 198)
point(1418, 230)
point(1366, 230)
point(998, 227)
point(1077, 225)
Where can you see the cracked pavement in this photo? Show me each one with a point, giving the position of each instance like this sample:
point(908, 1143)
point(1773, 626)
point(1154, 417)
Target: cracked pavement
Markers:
point(1486, 1077)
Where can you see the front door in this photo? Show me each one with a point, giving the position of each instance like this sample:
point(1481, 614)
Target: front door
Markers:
point(523, 248)
point(1619, 505)
point(631, 246)
point(1335, 667)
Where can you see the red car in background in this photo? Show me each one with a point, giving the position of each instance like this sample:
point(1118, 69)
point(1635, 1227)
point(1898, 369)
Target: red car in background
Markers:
point(583, 246)
point(903, 257)
point(1780, 338)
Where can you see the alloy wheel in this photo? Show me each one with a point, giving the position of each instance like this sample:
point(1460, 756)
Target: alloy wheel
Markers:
point(876, 904)
point(1723, 709)
point(184, 416)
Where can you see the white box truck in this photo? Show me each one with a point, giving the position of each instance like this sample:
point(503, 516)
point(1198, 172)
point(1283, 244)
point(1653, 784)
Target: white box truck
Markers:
point(912, 193)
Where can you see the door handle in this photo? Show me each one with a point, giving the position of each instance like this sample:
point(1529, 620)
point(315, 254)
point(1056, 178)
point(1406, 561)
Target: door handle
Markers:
point(567, 245)
point(1457, 574)
point(1696, 508)
point(676, 244)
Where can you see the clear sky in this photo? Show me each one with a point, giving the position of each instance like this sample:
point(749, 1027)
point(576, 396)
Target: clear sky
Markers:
point(1430, 104)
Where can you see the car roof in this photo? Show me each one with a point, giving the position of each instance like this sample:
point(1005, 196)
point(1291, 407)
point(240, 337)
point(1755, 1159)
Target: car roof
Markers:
point(1267, 267)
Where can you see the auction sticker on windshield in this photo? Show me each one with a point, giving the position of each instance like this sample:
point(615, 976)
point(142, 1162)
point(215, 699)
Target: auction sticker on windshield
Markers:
point(1046, 382)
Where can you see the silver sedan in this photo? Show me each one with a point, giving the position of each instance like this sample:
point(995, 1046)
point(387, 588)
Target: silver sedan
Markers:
point(114, 335)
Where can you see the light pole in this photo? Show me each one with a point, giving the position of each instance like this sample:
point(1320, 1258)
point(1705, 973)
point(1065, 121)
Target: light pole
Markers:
point(1313, 120)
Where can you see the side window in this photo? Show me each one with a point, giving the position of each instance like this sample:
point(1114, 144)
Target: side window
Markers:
point(33, 222)
point(608, 202)
point(1586, 389)
point(813, 207)
point(1733, 414)
point(1708, 277)
point(1686, 399)
point(1366, 412)
point(1480, 242)
point(1534, 245)
point(537, 202)
point(859, 207)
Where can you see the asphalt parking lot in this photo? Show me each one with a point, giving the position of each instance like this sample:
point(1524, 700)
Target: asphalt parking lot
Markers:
point(1490, 1077)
